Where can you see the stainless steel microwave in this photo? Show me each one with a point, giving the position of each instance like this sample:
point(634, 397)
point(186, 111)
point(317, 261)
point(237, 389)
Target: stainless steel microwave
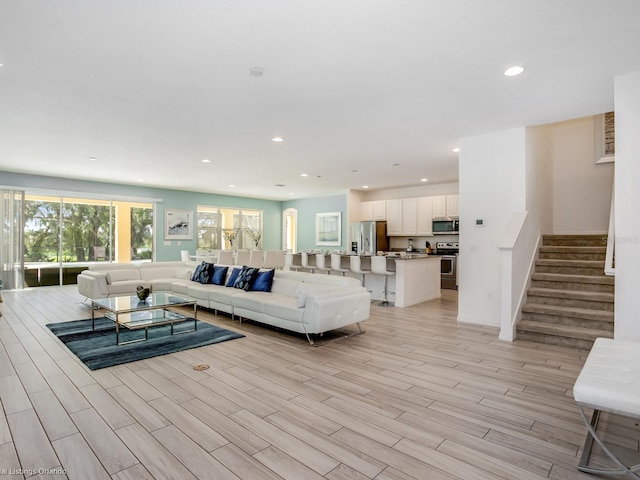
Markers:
point(446, 227)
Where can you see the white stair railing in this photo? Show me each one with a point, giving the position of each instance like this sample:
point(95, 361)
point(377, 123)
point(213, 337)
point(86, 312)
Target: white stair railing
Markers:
point(609, 266)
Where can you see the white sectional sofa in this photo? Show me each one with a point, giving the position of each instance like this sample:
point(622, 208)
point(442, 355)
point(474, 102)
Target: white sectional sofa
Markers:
point(300, 302)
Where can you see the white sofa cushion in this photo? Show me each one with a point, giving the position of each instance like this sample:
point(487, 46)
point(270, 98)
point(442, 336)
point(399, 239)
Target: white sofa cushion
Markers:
point(125, 287)
point(304, 289)
point(152, 273)
point(283, 307)
point(284, 286)
point(122, 275)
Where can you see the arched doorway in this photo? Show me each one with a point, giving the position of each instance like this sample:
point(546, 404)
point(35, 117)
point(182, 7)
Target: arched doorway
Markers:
point(290, 229)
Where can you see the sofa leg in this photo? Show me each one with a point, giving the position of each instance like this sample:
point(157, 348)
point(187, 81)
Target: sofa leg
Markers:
point(311, 342)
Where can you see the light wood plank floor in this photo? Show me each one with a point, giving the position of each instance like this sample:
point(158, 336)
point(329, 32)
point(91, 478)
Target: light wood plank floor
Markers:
point(417, 396)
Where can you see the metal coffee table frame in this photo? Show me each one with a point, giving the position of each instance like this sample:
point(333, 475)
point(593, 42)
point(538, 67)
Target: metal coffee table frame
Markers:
point(128, 311)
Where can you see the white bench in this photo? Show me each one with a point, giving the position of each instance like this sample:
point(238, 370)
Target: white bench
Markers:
point(608, 382)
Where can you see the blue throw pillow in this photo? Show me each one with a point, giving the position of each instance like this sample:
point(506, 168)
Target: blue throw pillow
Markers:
point(219, 274)
point(246, 278)
point(263, 281)
point(197, 272)
point(206, 272)
point(233, 277)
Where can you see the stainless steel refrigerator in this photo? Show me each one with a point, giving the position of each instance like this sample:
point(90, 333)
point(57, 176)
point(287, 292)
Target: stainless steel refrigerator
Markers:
point(369, 237)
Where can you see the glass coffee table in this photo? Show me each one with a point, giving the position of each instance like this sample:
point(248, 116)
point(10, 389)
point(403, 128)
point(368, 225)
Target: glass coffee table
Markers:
point(134, 314)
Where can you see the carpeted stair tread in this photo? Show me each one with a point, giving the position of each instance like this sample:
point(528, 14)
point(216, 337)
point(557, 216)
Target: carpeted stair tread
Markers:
point(572, 294)
point(575, 312)
point(572, 248)
point(595, 240)
point(562, 262)
point(563, 330)
point(573, 278)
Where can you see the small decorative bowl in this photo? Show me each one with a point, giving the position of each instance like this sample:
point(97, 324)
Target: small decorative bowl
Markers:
point(142, 292)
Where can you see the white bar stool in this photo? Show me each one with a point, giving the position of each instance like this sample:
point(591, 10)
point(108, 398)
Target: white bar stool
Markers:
point(308, 261)
point(336, 260)
point(293, 261)
point(356, 266)
point(379, 267)
point(321, 263)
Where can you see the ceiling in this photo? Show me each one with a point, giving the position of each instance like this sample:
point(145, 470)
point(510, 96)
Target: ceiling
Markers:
point(364, 92)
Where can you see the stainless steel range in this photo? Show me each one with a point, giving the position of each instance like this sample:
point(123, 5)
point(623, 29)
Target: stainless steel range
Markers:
point(448, 266)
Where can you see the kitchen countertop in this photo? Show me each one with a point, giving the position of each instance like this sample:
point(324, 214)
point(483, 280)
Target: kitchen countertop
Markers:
point(408, 256)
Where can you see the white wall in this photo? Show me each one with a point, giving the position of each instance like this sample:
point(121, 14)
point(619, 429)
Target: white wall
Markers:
point(581, 189)
point(539, 177)
point(627, 173)
point(412, 192)
point(493, 187)
point(354, 213)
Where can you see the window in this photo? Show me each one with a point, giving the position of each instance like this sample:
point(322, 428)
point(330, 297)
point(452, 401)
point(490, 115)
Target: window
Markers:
point(141, 232)
point(62, 234)
point(222, 228)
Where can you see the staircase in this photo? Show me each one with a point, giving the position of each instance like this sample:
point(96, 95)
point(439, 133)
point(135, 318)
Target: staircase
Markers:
point(570, 301)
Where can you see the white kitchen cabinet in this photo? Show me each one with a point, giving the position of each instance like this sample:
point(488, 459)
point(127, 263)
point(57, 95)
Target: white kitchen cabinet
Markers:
point(424, 216)
point(380, 210)
point(439, 206)
point(394, 217)
point(375, 210)
point(445, 206)
point(402, 217)
point(452, 206)
point(409, 216)
point(414, 216)
point(366, 211)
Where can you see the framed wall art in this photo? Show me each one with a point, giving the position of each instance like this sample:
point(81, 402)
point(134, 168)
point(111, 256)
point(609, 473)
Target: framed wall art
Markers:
point(178, 224)
point(329, 229)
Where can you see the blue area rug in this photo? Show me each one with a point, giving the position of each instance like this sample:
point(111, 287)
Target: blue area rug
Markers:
point(97, 348)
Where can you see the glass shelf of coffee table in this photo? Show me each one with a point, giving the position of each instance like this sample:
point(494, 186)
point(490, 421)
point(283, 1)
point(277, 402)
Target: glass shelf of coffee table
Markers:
point(130, 312)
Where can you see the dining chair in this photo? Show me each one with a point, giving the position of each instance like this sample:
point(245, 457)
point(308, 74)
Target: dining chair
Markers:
point(256, 258)
point(226, 257)
point(243, 257)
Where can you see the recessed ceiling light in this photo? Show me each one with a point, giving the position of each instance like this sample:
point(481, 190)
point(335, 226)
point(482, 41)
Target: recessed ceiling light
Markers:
point(141, 180)
point(513, 71)
point(304, 174)
point(455, 150)
point(365, 186)
point(291, 193)
point(395, 165)
point(256, 71)
point(354, 171)
point(277, 139)
point(92, 159)
point(424, 179)
point(280, 185)
point(206, 160)
point(232, 186)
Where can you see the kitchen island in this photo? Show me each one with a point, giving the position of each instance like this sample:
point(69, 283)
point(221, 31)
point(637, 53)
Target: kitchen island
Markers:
point(416, 279)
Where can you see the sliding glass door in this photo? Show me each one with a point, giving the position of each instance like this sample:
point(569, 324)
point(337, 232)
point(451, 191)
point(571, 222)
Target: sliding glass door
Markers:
point(62, 236)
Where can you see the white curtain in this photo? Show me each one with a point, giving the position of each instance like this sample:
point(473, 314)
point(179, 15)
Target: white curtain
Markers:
point(11, 239)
